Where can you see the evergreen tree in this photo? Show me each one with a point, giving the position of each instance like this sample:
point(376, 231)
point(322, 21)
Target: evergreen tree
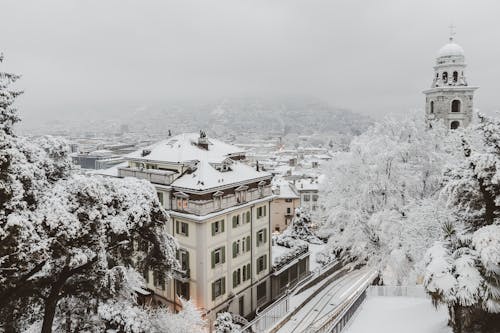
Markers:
point(463, 268)
point(71, 245)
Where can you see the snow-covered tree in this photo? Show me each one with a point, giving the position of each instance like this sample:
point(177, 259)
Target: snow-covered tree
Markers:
point(298, 230)
point(463, 268)
point(69, 243)
point(372, 195)
point(224, 323)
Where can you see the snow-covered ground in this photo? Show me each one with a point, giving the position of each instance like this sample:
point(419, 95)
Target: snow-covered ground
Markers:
point(382, 314)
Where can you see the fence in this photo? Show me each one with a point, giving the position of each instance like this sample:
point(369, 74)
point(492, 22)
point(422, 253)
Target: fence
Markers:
point(337, 324)
point(269, 316)
point(407, 291)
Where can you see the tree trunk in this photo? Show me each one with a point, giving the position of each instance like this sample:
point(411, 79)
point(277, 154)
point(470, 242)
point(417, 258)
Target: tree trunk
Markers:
point(51, 302)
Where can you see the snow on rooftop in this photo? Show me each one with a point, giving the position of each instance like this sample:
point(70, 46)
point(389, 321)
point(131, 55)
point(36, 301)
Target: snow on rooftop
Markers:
point(206, 176)
point(286, 190)
point(184, 148)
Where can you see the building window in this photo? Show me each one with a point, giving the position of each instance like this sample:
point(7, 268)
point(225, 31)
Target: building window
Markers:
point(261, 211)
point(236, 248)
point(432, 106)
point(236, 221)
point(261, 237)
point(217, 227)
point(182, 204)
point(183, 258)
point(261, 291)
point(455, 76)
point(182, 228)
point(445, 77)
point(160, 197)
point(236, 277)
point(307, 197)
point(218, 288)
point(288, 200)
point(261, 263)
point(182, 289)
point(218, 256)
point(247, 272)
point(248, 217)
point(455, 106)
point(245, 244)
point(315, 197)
point(454, 124)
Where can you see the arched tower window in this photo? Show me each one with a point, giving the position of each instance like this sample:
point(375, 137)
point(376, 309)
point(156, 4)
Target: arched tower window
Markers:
point(455, 106)
point(432, 106)
point(455, 76)
point(445, 77)
point(454, 124)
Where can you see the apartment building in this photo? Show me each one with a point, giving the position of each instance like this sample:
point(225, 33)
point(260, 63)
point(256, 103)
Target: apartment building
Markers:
point(283, 207)
point(308, 189)
point(220, 216)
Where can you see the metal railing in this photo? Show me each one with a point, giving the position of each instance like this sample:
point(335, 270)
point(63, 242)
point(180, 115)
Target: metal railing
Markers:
point(269, 316)
point(337, 323)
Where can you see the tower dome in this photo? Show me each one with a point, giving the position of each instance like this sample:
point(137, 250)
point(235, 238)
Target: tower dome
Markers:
point(451, 49)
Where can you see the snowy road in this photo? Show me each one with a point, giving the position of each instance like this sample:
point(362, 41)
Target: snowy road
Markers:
point(326, 301)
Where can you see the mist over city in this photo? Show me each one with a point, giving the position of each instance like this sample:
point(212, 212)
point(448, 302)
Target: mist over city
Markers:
point(249, 166)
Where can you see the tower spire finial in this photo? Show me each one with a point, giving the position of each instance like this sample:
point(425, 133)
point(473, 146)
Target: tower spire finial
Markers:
point(452, 32)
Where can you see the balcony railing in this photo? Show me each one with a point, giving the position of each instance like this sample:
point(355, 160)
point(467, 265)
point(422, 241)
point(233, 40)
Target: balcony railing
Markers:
point(204, 207)
point(163, 177)
point(181, 275)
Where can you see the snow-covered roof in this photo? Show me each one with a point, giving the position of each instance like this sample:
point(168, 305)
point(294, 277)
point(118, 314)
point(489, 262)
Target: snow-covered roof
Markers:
point(206, 176)
point(307, 185)
point(286, 190)
point(184, 148)
point(451, 49)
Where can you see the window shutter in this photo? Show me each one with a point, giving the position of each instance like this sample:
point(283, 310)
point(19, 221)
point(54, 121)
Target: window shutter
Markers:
point(177, 227)
point(213, 259)
point(213, 228)
point(234, 279)
point(264, 262)
point(187, 259)
point(249, 271)
point(213, 291)
point(248, 217)
point(223, 251)
point(222, 225)
point(223, 282)
point(187, 230)
point(264, 211)
point(248, 243)
point(234, 249)
point(265, 235)
point(234, 221)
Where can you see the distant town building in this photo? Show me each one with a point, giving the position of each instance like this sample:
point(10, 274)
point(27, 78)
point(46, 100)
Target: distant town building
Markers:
point(308, 189)
point(450, 98)
point(283, 206)
point(98, 159)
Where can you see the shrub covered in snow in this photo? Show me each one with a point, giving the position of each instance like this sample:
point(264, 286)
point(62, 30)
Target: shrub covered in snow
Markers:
point(225, 324)
point(463, 268)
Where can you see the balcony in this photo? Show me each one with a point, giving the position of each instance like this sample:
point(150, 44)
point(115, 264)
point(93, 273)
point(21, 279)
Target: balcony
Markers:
point(204, 207)
point(181, 275)
point(163, 177)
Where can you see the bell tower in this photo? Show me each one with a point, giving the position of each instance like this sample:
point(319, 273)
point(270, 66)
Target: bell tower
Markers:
point(450, 97)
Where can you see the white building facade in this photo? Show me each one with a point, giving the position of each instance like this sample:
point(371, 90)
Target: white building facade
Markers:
point(450, 98)
point(220, 216)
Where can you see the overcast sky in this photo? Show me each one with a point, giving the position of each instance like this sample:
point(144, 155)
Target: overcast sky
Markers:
point(371, 56)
